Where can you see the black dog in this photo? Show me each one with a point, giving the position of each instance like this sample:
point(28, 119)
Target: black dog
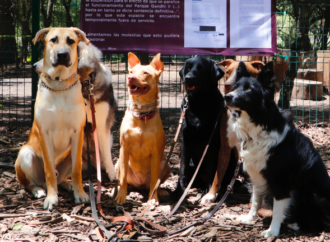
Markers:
point(279, 159)
point(205, 102)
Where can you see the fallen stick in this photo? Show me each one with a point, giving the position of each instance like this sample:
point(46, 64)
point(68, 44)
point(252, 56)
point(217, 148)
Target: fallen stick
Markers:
point(76, 237)
point(62, 231)
point(13, 215)
point(83, 218)
point(6, 164)
point(56, 220)
point(4, 141)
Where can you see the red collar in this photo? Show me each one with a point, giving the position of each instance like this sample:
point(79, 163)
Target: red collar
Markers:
point(144, 116)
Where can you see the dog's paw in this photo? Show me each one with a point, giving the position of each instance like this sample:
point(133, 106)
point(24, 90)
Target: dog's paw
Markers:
point(121, 197)
point(66, 185)
point(245, 218)
point(112, 175)
point(50, 202)
point(162, 192)
point(80, 197)
point(38, 192)
point(269, 233)
point(154, 202)
point(208, 198)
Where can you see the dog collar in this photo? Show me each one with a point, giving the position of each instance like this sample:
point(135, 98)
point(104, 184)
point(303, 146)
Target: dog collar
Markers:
point(143, 116)
point(152, 105)
point(73, 76)
point(58, 90)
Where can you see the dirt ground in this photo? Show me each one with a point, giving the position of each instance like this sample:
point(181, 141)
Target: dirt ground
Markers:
point(22, 217)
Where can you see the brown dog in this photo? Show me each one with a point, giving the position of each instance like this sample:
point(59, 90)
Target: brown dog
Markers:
point(254, 67)
point(142, 136)
point(59, 120)
point(228, 135)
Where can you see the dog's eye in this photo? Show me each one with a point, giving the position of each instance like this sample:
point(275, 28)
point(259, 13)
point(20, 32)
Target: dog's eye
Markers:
point(145, 73)
point(70, 41)
point(54, 40)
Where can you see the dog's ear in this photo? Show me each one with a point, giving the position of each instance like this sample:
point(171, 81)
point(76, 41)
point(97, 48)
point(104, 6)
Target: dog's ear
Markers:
point(40, 35)
point(133, 60)
point(81, 35)
point(242, 71)
point(217, 72)
point(266, 75)
point(257, 65)
point(157, 64)
point(225, 63)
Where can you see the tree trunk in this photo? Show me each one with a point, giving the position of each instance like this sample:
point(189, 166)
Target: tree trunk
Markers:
point(326, 28)
point(47, 16)
point(68, 18)
point(8, 47)
point(25, 23)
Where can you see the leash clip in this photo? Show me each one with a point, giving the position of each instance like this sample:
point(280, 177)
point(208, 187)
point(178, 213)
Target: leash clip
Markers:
point(90, 88)
point(186, 102)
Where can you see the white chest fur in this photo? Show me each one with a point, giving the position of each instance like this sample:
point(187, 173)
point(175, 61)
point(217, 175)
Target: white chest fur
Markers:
point(257, 146)
point(60, 115)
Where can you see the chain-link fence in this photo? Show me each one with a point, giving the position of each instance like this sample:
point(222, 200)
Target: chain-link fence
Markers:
point(301, 63)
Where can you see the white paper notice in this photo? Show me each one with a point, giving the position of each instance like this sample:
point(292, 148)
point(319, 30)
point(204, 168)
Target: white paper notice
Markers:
point(205, 24)
point(250, 24)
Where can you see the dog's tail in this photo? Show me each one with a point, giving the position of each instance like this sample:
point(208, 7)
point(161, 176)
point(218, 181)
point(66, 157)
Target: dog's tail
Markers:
point(310, 211)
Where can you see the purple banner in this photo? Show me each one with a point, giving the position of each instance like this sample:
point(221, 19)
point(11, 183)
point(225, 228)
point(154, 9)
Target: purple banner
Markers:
point(180, 27)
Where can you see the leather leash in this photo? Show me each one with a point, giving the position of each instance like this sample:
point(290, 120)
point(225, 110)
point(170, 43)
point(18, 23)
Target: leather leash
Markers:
point(96, 142)
point(91, 192)
point(196, 171)
point(223, 199)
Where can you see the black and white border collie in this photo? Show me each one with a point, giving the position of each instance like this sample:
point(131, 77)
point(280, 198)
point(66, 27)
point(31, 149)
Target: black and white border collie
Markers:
point(278, 158)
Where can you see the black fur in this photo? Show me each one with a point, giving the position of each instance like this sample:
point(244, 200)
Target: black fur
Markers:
point(294, 167)
point(204, 105)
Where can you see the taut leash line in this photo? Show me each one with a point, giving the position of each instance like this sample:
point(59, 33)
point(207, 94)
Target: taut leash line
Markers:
point(97, 149)
point(91, 192)
point(196, 171)
point(223, 199)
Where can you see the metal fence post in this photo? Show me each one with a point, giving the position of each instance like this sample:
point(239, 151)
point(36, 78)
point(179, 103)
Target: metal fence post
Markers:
point(35, 48)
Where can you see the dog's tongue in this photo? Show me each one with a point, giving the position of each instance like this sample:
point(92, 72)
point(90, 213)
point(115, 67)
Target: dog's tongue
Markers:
point(191, 87)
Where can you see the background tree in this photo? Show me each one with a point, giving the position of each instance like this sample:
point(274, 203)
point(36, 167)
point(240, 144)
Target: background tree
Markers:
point(7, 33)
point(305, 16)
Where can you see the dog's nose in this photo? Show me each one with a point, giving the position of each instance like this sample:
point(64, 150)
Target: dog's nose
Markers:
point(131, 78)
point(34, 66)
point(228, 87)
point(229, 97)
point(63, 56)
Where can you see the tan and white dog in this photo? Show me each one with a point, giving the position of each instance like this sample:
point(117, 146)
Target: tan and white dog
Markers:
point(91, 68)
point(142, 137)
point(59, 120)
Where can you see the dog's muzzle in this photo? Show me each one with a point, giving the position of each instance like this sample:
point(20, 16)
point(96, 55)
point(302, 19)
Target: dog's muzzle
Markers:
point(63, 58)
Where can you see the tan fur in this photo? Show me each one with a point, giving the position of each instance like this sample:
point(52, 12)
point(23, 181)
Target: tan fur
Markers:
point(142, 142)
point(54, 131)
point(254, 67)
point(90, 60)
